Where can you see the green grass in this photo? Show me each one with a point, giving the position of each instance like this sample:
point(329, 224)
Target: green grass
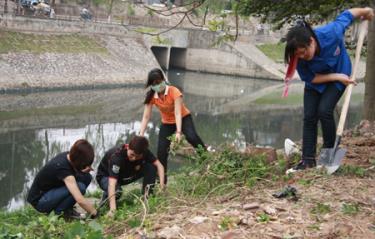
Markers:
point(352, 170)
point(226, 223)
point(35, 43)
point(146, 30)
point(273, 51)
point(304, 182)
point(350, 209)
point(320, 209)
point(208, 175)
point(263, 218)
point(275, 99)
point(27, 223)
point(61, 110)
point(314, 227)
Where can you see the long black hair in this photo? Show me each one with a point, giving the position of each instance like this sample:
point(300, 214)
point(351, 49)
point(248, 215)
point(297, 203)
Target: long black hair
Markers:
point(298, 37)
point(154, 75)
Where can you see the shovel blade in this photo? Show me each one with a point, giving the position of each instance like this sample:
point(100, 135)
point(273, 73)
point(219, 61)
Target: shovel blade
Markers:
point(331, 159)
point(325, 154)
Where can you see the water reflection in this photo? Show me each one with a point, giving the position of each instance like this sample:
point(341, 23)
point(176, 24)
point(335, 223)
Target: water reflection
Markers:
point(110, 117)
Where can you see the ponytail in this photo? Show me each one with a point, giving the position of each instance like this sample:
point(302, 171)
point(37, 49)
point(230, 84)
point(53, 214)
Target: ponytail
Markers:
point(148, 97)
point(298, 37)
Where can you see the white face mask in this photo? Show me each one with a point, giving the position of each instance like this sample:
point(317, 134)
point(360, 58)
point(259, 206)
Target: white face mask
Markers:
point(159, 87)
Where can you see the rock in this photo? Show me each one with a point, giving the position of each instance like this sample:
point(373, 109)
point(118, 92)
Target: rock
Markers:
point(198, 219)
point(250, 206)
point(269, 210)
point(229, 235)
point(234, 212)
point(277, 227)
point(344, 229)
point(215, 213)
point(170, 232)
point(247, 221)
point(373, 201)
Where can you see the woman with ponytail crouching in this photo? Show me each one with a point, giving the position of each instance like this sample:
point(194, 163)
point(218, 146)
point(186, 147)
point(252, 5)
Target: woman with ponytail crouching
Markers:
point(176, 118)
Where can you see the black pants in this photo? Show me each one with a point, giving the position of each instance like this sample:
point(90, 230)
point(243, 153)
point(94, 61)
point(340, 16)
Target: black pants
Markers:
point(148, 171)
point(319, 107)
point(166, 130)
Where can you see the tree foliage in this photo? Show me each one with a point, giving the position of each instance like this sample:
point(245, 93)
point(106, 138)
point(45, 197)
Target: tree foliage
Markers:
point(283, 11)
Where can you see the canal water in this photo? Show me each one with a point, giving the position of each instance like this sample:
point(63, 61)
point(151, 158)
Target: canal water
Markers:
point(35, 127)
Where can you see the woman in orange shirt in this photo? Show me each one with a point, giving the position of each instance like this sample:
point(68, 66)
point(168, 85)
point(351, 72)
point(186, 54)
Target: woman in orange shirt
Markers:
point(175, 116)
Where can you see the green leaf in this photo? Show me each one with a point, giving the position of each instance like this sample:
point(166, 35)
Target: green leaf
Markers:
point(95, 226)
point(75, 230)
point(95, 235)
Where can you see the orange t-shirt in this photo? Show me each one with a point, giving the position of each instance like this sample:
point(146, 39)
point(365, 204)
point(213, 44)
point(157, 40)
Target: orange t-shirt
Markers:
point(166, 105)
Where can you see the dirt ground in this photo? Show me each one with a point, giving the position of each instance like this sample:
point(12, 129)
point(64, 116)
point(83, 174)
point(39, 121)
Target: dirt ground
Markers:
point(326, 206)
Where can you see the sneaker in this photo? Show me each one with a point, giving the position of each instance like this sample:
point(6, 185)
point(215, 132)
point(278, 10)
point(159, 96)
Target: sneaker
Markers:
point(302, 165)
point(72, 214)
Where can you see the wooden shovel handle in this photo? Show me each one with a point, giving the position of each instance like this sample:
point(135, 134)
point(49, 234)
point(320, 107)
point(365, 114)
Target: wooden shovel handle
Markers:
point(348, 91)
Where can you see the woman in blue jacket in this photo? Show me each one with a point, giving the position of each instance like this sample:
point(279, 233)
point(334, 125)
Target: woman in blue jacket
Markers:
point(324, 65)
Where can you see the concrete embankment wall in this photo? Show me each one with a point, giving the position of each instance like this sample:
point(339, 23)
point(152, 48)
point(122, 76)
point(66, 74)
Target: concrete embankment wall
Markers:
point(125, 59)
point(198, 50)
point(224, 62)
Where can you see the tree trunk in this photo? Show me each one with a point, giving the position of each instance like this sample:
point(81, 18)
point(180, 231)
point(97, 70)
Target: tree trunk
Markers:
point(110, 10)
point(6, 6)
point(369, 102)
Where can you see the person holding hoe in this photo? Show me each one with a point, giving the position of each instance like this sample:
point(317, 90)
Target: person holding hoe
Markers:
point(323, 63)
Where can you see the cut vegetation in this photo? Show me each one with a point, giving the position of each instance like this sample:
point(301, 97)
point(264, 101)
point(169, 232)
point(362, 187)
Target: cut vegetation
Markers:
point(228, 194)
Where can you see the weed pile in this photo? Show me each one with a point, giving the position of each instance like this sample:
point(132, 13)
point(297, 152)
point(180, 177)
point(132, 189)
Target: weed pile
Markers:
point(212, 174)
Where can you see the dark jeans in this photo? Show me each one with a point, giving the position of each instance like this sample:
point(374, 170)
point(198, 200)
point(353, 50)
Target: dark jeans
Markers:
point(148, 171)
point(166, 130)
point(60, 199)
point(319, 107)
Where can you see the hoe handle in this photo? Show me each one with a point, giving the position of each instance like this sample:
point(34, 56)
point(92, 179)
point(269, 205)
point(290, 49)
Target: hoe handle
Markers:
point(348, 92)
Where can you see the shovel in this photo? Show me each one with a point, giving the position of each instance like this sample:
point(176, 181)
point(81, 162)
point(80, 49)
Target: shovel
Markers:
point(331, 158)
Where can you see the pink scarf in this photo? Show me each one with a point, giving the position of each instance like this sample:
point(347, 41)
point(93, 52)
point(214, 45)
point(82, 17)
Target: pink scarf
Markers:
point(289, 74)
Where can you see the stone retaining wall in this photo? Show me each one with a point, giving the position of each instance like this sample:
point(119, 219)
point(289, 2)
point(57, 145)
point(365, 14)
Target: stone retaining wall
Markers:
point(127, 62)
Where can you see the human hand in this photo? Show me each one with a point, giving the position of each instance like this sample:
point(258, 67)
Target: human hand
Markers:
point(110, 213)
point(344, 79)
point(349, 81)
point(370, 15)
point(178, 137)
point(161, 190)
point(94, 214)
point(162, 187)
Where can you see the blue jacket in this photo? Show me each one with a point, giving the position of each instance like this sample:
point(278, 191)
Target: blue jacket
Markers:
point(332, 57)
